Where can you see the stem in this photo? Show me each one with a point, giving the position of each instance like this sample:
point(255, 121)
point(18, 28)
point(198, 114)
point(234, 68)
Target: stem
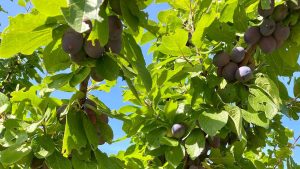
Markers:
point(83, 88)
point(249, 52)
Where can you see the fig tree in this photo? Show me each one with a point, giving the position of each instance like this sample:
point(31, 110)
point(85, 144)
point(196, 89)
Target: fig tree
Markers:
point(221, 59)
point(93, 50)
point(266, 12)
point(238, 54)
point(280, 12)
point(268, 44)
point(178, 130)
point(229, 71)
point(267, 27)
point(243, 74)
point(72, 41)
point(252, 35)
point(115, 27)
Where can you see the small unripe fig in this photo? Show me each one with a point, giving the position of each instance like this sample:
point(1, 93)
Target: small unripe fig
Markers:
point(178, 130)
point(280, 12)
point(93, 50)
point(243, 74)
point(221, 59)
point(266, 12)
point(267, 27)
point(252, 35)
point(268, 44)
point(238, 54)
point(229, 71)
point(72, 41)
point(96, 76)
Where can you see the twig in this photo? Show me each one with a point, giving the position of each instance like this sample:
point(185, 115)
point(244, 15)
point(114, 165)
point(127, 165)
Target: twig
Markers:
point(249, 53)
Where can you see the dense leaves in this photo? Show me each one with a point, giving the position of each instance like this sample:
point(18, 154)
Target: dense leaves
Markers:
point(210, 98)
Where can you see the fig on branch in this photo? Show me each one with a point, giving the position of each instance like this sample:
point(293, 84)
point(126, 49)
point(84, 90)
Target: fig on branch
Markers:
point(238, 54)
point(178, 130)
point(281, 34)
point(72, 41)
point(115, 27)
point(229, 71)
point(268, 44)
point(267, 27)
point(243, 74)
point(93, 49)
point(221, 59)
point(95, 76)
point(79, 57)
point(280, 12)
point(115, 46)
point(252, 35)
point(266, 12)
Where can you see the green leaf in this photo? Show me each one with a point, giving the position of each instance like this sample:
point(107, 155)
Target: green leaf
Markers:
point(78, 10)
point(90, 132)
point(205, 21)
point(175, 44)
point(175, 155)
point(74, 135)
point(24, 36)
point(43, 6)
point(170, 110)
point(130, 12)
point(4, 103)
point(211, 122)
point(228, 11)
point(260, 102)
point(107, 68)
point(42, 146)
point(235, 115)
point(219, 158)
point(195, 143)
point(80, 164)
point(256, 118)
point(106, 131)
point(79, 75)
point(60, 80)
point(55, 59)
point(14, 153)
point(297, 88)
point(168, 141)
point(57, 161)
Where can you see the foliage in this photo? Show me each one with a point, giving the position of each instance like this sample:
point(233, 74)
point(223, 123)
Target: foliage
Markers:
point(226, 124)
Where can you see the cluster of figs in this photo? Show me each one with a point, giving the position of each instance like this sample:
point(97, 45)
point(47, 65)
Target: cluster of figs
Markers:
point(80, 48)
point(269, 36)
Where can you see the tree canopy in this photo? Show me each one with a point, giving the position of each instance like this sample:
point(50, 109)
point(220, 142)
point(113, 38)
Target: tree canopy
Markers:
point(210, 98)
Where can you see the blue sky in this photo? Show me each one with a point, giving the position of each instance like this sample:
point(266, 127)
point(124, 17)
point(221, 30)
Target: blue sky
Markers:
point(114, 98)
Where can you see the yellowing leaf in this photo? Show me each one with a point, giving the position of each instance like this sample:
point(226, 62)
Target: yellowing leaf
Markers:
point(43, 6)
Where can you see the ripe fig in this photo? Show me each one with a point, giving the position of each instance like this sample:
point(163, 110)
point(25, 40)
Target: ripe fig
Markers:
point(229, 71)
point(221, 59)
point(268, 44)
point(266, 12)
point(115, 27)
point(267, 27)
point(95, 76)
point(115, 46)
point(79, 57)
point(178, 130)
point(243, 74)
point(281, 33)
point(280, 12)
point(252, 35)
point(93, 50)
point(90, 113)
point(238, 54)
point(72, 41)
